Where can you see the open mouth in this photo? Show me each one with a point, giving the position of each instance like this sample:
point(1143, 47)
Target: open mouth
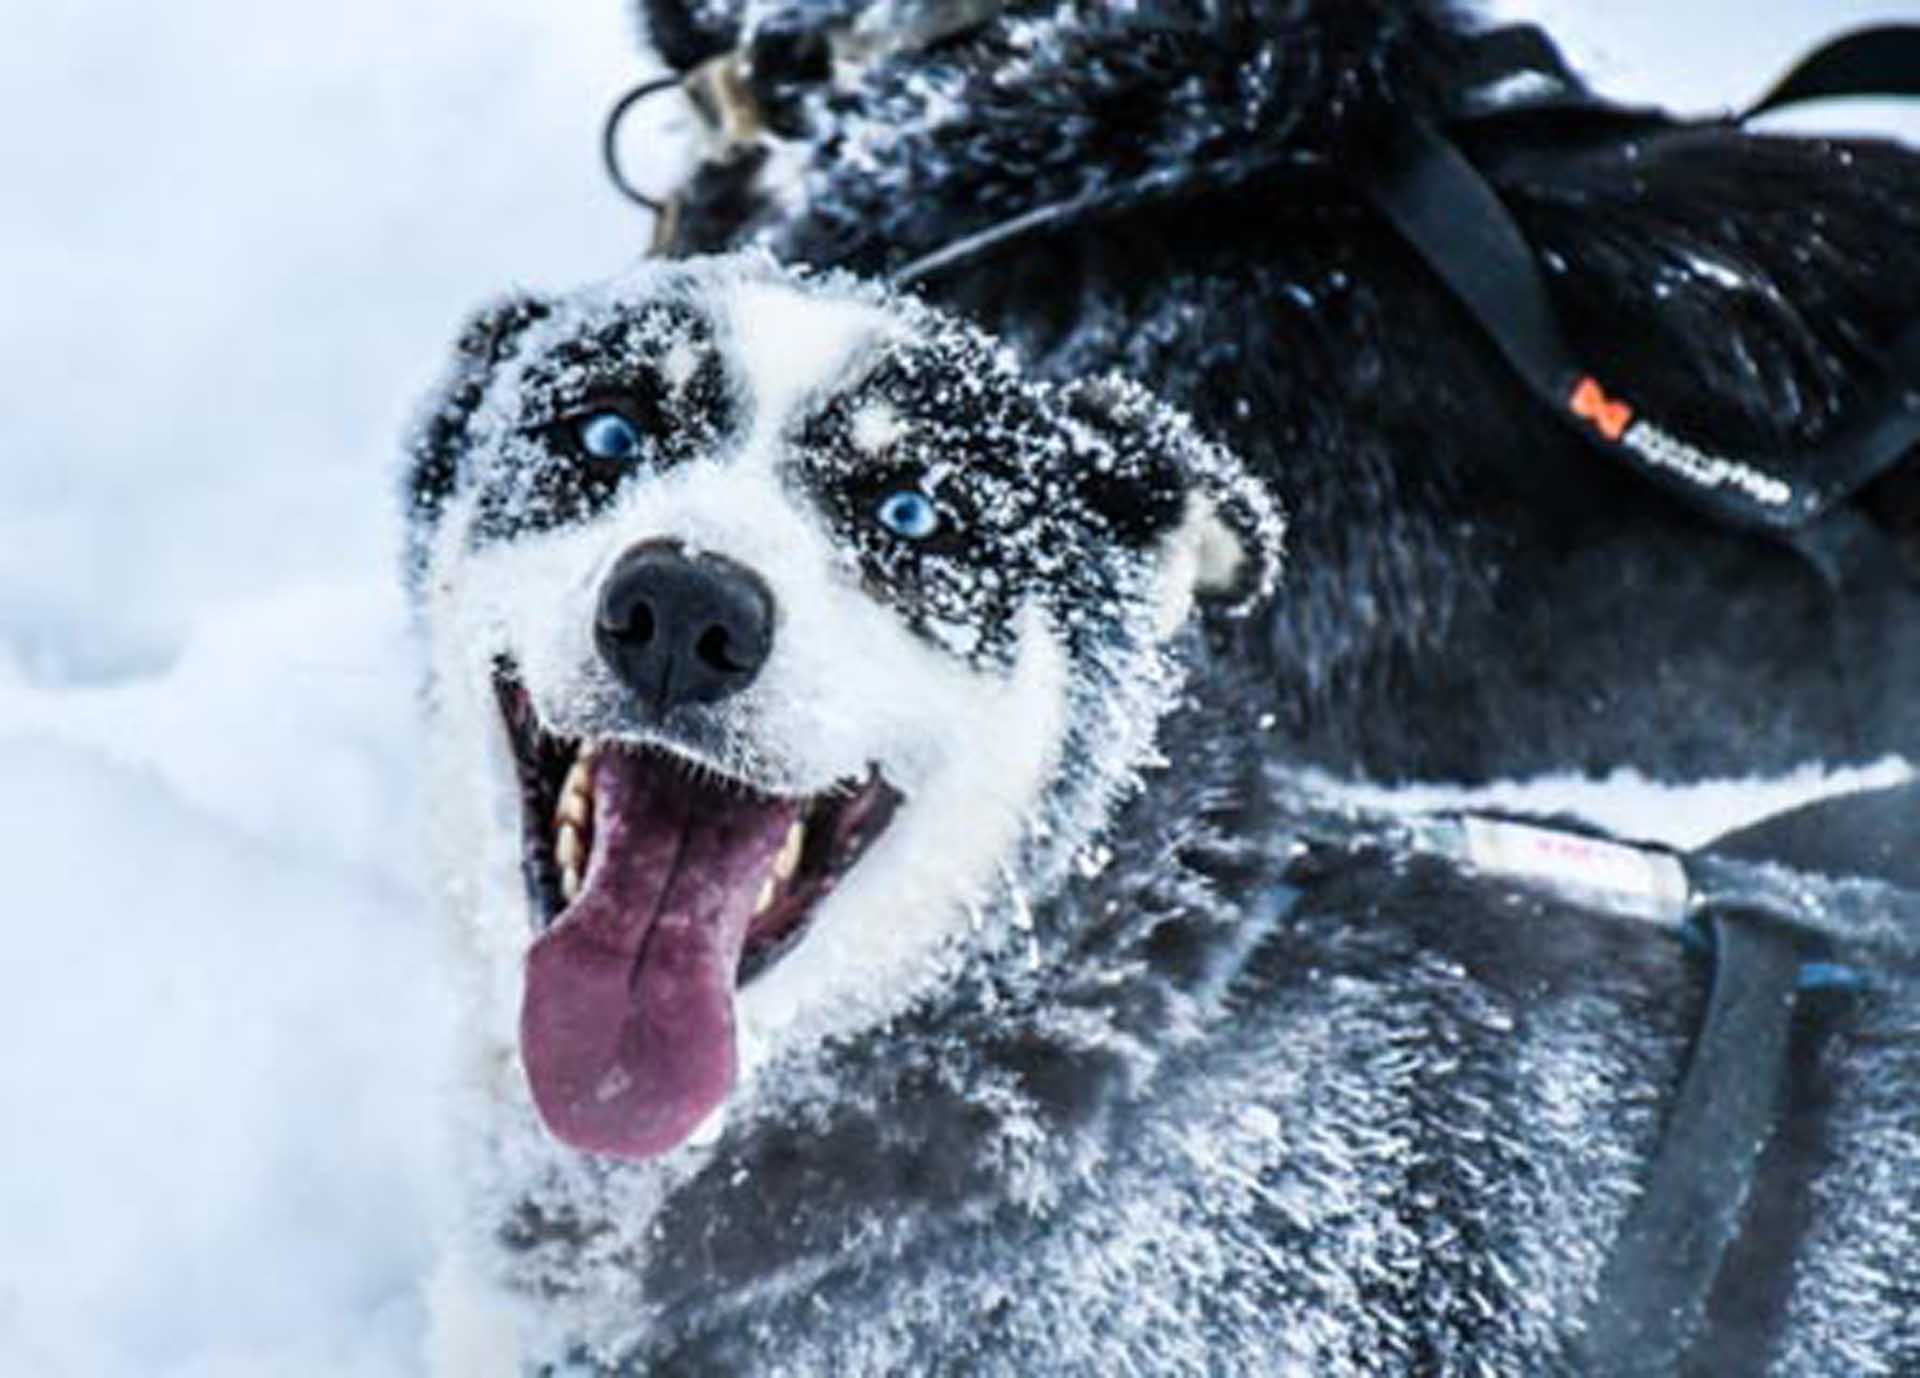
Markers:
point(660, 888)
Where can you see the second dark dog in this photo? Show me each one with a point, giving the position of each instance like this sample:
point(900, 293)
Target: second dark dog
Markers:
point(1192, 193)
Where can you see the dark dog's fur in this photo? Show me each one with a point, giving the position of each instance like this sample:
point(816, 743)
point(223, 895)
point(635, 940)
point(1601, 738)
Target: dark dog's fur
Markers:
point(1473, 593)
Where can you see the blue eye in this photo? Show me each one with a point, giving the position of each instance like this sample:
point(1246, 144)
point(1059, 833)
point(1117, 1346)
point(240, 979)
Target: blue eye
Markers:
point(608, 435)
point(909, 513)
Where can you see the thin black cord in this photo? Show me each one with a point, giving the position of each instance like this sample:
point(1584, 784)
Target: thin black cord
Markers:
point(1040, 218)
point(610, 140)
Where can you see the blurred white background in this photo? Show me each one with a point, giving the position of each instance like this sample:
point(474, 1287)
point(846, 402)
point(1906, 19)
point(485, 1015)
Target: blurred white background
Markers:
point(236, 241)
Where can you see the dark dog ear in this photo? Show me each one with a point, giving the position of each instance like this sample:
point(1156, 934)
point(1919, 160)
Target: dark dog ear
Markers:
point(683, 32)
point(433, 470)
point(1159, 484)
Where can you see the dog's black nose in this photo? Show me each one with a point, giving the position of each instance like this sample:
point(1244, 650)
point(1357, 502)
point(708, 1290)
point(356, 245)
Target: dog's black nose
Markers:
point(679, 628)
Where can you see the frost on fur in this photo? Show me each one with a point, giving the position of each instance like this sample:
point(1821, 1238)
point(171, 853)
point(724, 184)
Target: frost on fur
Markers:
point(1052, 1048)
point(950, 710)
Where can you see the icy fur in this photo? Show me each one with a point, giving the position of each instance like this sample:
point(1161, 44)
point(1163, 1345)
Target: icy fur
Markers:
point(1013, 736)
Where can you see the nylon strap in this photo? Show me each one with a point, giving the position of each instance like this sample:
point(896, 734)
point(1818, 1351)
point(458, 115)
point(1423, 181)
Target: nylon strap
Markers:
point(1879, 61)
point(1449, 213)
point(1654, 1289)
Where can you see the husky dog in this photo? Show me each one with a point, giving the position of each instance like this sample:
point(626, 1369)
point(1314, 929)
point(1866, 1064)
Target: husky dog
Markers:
point(1181, 190)
point(804, 636)
point(890, 945)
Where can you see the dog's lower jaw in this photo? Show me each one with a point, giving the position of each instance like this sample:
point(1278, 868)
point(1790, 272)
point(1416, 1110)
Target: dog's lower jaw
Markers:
point(522, 1300)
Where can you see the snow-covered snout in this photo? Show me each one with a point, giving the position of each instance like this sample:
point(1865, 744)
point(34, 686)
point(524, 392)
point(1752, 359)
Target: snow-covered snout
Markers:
point(778, 628)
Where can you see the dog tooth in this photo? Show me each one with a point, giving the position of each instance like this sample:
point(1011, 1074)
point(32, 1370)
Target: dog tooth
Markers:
point(788, 861)
point(571, 852)
point(765, 899)
point(707, 1133)
point(579, 779)
point(576, 794)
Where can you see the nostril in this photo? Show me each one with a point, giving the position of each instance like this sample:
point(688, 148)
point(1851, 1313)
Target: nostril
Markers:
point(716, 648)
point(632, 622)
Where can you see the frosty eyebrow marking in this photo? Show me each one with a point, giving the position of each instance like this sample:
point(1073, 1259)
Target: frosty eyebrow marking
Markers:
point(668, 355)
point(659, 376)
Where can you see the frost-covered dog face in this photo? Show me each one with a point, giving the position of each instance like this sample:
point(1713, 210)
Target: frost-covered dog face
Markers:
point(795, 624)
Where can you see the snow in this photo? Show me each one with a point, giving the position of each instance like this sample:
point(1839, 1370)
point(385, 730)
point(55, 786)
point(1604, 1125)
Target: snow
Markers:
point(238, 240)
point(1629, 804)
point(1711, 56)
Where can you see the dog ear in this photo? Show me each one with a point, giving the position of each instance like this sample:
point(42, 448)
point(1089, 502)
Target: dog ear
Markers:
point(684, 33)
point(433, 470)
point(1159, 484)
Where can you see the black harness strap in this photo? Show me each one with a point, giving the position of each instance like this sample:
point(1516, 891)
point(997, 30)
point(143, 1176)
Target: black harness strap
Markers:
point(1880, 61)
point(1654, 1290)
point(1447, 211)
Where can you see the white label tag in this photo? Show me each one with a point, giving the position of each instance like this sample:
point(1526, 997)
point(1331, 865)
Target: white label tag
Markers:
point(1640, 883)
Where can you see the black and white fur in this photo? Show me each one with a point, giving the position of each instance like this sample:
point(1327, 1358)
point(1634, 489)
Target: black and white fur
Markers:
point(1086, 1069)
point(1008, 685)
point(1117, 1085)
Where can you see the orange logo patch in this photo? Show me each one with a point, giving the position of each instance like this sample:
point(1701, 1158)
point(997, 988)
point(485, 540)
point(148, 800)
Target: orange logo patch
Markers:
point(1591, 403)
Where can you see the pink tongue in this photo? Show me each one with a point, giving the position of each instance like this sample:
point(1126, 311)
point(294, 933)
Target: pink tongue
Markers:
point(626, 1026)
